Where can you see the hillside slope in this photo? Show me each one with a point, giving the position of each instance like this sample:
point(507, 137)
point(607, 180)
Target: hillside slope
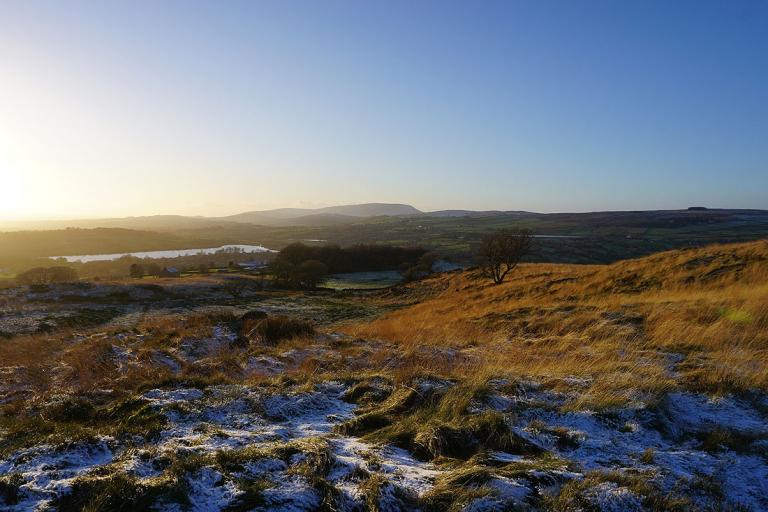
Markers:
point(299, 216)
point(619, 325)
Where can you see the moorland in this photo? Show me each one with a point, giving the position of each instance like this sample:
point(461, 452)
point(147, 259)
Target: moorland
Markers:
point(636, 385)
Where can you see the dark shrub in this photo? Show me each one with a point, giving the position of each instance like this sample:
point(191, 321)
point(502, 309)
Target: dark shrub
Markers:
point(46, 275)
point(255, 314)
point(9, 488)
point(72, 408)
point(278, 328)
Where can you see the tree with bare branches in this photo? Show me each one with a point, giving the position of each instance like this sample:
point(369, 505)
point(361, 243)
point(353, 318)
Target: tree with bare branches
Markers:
point(500, 252)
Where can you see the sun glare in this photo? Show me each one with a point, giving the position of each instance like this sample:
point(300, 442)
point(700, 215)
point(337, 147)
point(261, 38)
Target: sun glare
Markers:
point(11, 196)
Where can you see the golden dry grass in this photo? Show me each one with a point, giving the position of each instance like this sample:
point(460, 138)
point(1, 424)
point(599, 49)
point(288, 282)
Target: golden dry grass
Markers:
point(696, 318)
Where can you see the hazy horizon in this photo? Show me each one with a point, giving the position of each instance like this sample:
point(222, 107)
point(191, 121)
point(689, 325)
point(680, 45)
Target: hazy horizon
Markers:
point(110, 109)
point(42, 220)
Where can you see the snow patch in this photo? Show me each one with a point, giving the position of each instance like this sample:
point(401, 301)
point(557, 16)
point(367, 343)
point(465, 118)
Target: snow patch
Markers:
point(49, 471)
point(609, 497)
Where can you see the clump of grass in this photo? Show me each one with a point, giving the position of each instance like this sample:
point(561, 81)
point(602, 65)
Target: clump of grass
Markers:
point(274, 329)
point(70, 408)
point(381, 495)
point(457, 489)
point(133, 416)
point(184, 381)
point(364, 424)
point(574, 494)
point(722, 438)
point(234, 460)
point(178, 464)
point(10, 488)
point(309, 458)
point(120, 492)
point(83, 422)
point(435, 421)
point(87, 317)
point(462, 439)
point(251, 495)
point(316, 462)
point(369, 391)
point(524, 468)
point(22, 433)
point(565, 438)
point(648, 456)
point(401, 403)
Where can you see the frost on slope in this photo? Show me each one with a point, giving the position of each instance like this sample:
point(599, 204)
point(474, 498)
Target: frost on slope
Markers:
point(610, 497)
point(49, 471)
point(222, 419)
point(675, 432)
point(688, 413)
point(226, 419)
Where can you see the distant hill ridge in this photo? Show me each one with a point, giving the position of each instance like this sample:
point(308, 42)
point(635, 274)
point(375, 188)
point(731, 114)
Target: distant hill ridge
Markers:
point(332, 214)
point(357, 213)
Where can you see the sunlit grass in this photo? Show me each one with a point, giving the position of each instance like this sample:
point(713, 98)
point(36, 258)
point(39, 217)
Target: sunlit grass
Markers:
point(623, 326)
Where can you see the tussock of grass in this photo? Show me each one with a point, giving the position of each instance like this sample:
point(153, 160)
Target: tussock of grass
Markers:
point(120, 492)
point(373, 489)
point(468, 481)
point(455, 490)
point(464, 438)
point(274, 329)
point(85, 422)
point(369, 391)
point(573, 495)
point(719, 439)
point(250, 497)
point(22, 433)
point(313, 465)
point(9, 488)
point(133, 416)
point(433, 421)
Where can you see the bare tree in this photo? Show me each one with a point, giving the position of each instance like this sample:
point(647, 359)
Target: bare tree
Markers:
point(500, 252)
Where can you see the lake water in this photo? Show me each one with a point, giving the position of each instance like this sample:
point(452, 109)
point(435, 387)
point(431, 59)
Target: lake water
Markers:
point(85, 258)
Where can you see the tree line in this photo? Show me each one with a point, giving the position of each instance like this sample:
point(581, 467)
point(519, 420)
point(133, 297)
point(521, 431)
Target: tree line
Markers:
point(47, 275)
point(299, 264)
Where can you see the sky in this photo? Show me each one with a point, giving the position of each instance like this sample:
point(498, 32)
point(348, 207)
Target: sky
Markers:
point(214, 108)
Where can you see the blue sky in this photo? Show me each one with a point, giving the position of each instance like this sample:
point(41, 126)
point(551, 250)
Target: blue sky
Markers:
point(133, 108)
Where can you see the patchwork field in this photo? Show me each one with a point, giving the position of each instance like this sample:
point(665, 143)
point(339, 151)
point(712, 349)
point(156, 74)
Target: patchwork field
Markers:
point(640, 385)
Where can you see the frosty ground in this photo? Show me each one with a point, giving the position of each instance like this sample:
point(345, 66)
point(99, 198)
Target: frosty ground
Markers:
point(285, 445)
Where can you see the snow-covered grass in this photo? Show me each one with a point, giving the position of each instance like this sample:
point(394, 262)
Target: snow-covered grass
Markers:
point(218, 423)
point(477, 444)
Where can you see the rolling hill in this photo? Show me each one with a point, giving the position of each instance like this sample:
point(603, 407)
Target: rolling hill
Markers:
point(331, 214)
